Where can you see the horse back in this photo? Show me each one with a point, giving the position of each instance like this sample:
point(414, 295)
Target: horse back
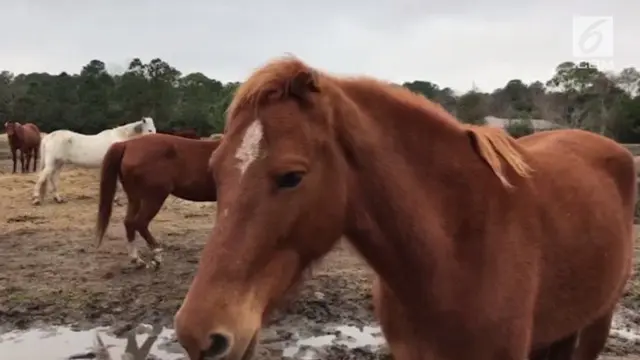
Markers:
point(581, 155)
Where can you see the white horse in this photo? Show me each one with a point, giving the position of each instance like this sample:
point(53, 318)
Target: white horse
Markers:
point(62, 147)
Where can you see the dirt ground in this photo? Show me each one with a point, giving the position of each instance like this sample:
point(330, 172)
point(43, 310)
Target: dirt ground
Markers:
point(51, 272)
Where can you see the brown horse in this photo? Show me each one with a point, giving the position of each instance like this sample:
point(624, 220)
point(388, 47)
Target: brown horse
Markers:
point(25, 138)
point(151, 168)
point(185, 133)
point(485, 247)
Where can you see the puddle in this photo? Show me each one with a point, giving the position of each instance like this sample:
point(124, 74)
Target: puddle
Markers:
point(349, 336)
point(297, 343)
point(61, 342)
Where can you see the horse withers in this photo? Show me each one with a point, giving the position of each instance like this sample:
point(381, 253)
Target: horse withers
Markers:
point(26, 139)
point(62, 147)
point(485, 247)
point(150, 169)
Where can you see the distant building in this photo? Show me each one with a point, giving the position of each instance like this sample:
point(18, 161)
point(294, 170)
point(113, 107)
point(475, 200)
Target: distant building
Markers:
point(538, 124)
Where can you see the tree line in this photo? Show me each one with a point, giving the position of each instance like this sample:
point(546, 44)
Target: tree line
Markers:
point(578, 95)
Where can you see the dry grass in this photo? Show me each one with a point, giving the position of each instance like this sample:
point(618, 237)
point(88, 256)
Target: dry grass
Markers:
point(79, 187)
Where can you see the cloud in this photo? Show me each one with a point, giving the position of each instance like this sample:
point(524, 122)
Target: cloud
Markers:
point(454, 43)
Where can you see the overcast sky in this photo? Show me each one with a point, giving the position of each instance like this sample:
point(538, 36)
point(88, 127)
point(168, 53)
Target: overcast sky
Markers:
point(453, 43)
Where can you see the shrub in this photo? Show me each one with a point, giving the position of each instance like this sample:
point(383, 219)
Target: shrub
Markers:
point(519, 128)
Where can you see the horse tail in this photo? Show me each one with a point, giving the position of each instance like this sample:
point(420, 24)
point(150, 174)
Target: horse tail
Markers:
point(109, 174)
point(41, 153)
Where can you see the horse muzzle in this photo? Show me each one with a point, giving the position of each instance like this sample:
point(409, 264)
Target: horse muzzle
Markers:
point(224, 347)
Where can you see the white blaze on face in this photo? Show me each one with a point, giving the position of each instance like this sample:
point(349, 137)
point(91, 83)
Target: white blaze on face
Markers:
point(249, 149)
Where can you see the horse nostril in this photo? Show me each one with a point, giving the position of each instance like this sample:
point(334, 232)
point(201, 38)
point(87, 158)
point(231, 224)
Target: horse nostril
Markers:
point(220, 345)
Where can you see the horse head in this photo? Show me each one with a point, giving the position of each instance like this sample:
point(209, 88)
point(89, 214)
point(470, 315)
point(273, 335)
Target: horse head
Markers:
point(143, 127)
point(278, 162)
point(11, 128)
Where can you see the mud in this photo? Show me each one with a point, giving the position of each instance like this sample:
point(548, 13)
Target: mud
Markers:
point(51, 274)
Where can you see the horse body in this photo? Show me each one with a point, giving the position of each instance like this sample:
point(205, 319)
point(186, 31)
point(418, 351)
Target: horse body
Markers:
point(26, 139)
point(185, 133)
point(540, 270)
point(486, 247)
point(150, 169)
point(68, 147)
point(62, 147)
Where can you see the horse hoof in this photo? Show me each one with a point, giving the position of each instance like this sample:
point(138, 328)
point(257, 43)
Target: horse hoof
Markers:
point(155, 265)
point(139, 263)
point(36, 202)
point(59, 200)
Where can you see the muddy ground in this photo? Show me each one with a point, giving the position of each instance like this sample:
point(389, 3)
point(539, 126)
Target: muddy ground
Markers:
point(51, 272)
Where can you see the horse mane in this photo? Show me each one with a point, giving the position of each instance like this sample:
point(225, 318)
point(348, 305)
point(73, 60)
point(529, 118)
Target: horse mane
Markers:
point(271, 82)
point(125, 127)
point(495, 143)
point(280, 79)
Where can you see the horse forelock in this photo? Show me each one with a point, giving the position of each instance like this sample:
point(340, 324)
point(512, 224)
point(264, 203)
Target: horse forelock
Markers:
point(271, 82)
point(494, 144)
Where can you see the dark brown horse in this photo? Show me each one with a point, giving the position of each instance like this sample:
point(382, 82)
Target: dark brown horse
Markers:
point(485, 247)
point(151, 168)
point(25, 138)
point(185, 133)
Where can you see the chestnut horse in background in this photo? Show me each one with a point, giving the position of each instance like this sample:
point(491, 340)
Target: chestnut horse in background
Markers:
point(185, 133)
point(150, 168)
point(485, 247)
point(25, 138)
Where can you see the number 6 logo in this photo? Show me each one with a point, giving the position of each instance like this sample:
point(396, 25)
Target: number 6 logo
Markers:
point(593, 36)
point(591, 33)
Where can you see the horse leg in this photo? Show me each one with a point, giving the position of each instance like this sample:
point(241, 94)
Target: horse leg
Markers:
point(28, 155)
point(119, 189)
point(586, 344)
point(133, 206)
point(13, 156)
point(40, 189)
point(149, 210)
point(55, 177)
point(592, 339)
point(36, 157)
point(22, 161)
point(560, 350)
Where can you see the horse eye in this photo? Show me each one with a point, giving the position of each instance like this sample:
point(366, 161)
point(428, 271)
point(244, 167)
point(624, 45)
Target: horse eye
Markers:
point(289, 180)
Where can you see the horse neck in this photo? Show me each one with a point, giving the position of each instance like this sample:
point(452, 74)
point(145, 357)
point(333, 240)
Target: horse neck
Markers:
point(407, 171)
point(18, 135)
point(122, 132)
point(14, 140)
